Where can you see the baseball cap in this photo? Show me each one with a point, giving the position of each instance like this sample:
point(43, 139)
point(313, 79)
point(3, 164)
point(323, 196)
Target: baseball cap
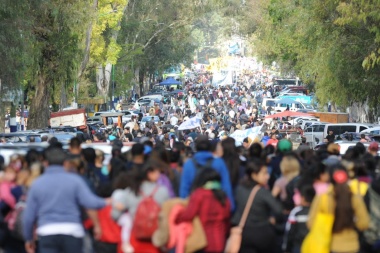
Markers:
point(284, 145)
point(374, 146)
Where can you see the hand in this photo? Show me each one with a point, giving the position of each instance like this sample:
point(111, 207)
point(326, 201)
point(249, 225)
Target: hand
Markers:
point(108, 201)
point(30, 247)
point(97, 232)
point(272, 220)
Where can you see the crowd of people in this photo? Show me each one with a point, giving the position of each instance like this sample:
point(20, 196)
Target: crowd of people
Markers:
point(155, 199)
point(186, 191)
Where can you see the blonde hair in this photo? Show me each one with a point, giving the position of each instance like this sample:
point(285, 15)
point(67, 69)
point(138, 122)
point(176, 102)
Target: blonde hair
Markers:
point(290, 167)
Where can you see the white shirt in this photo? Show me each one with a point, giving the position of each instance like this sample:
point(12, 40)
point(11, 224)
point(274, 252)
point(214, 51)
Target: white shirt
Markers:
point(173, 121)
point(232, 114)
point(61, 228)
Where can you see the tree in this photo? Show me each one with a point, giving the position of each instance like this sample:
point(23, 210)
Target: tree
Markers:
point(324, 42)
point(58, 27)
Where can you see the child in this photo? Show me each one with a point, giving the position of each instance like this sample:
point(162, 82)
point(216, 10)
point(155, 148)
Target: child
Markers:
point(296, 229)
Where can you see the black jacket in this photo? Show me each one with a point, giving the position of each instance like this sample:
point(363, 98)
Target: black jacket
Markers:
point(296, 229)
point(264, 206)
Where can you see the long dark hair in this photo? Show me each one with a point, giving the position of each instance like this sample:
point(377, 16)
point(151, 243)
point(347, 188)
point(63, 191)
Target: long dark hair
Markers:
point(139, 176)
point(207, 175)
point(344, 213)
point(254, 166)
point(232, 159)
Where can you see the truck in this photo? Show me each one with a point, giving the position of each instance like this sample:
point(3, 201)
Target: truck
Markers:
point(331, 117)
point(73, 117)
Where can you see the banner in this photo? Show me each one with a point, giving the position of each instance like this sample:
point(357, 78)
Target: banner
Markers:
point(240, 135)
point(190, 124)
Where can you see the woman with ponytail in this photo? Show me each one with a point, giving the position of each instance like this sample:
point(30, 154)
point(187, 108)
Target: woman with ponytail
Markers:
point(349, 210)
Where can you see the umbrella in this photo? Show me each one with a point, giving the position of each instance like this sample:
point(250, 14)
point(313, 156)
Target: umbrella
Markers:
point(190, 124)
point(288, 114)
point(169, 81)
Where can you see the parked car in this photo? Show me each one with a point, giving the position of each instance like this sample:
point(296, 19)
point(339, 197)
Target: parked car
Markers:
point(373, 130)
point(128, 115)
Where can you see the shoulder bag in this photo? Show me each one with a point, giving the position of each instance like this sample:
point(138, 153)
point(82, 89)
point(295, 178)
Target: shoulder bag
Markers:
point(235, 238)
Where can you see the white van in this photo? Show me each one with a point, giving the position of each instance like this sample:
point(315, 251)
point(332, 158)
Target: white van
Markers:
point(314, 133)
point(268, 102)
point(341, 128)
point(306, 123)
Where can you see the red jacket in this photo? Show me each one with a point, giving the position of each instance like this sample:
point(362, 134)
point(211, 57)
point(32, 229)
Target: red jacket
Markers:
point(213, 215)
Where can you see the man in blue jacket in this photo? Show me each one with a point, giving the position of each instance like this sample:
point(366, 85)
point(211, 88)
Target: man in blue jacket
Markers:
point(53, 205)
point(202, 157)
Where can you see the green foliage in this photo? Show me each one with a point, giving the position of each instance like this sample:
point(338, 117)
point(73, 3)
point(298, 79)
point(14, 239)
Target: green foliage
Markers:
point(327, 43)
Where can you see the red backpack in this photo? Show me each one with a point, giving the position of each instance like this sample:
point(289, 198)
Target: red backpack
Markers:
point(146, 217)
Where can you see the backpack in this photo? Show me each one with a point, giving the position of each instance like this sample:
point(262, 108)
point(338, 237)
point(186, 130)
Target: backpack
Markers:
point(199, 168)
point(146, 217)
point(14, 219)
point(372, 234)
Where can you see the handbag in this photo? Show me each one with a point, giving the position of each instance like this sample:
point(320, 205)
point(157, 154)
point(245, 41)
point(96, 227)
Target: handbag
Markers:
point(318, 240)
point(234, 240)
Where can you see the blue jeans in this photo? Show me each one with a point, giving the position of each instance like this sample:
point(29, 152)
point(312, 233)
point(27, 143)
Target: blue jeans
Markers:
point(60, 244)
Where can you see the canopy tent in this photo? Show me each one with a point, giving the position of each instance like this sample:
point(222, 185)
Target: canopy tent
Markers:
point(190, 124)
point(286, 101)
point(288, 114)
point(169, 81)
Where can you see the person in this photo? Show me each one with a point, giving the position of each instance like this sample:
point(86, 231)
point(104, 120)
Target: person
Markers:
point(138, 158)
point(118, 106)
point(273, 140)
point(330, 138)
point(363, 139)
point(373, 149)
point(53, 206)
point(212, 206)
point(296, 229)
point(303, 145)
point(265, 138)
point(231, 158)
point(290, 168)
point(247, 143)
point(349, 211)
point(144, 183)
point(203, 156)
point(127, 134)
point(74, 146)
point(258, 233)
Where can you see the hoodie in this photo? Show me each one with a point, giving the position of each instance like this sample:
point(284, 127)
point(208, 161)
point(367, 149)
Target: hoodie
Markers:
point(265, 139)
point(189, 173)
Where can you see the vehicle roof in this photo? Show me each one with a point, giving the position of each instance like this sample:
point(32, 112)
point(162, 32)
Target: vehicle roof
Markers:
point(111, 114)
point(339, 124)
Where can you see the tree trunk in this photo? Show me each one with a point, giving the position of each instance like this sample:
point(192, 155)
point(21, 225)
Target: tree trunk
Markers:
point(2, 110)
point(39, 109)
point(63, 100)
point(86, 56)
point(141, 81)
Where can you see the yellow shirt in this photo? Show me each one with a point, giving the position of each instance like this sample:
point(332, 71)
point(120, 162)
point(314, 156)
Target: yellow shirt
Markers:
point(358, 187)
point(347, 240)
